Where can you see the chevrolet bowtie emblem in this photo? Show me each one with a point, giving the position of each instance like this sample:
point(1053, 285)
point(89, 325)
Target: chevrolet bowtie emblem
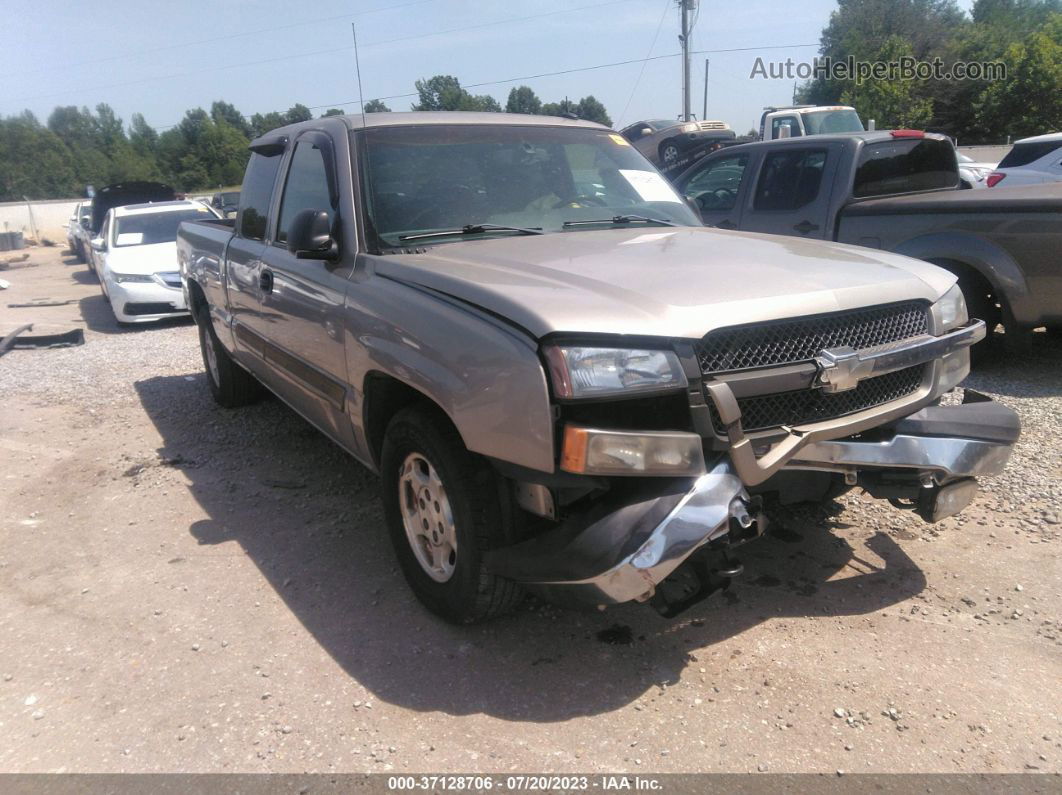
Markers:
point(841, 369)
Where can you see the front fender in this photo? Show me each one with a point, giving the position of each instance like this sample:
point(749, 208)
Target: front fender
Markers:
point(485, 375)
point(990, 260)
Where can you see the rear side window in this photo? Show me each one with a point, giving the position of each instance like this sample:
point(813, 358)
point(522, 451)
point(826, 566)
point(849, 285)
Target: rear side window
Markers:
point(306, 187)
point(256, 194)
point(790, 179)
point(1023, 154)
point(789, 123)
point(904, 166)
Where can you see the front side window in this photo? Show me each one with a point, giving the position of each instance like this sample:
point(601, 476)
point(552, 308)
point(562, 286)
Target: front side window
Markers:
point(306, 187)
point(145, 229)
point(439, 177)
point(790, 179)
point(716, 187)
point(256, 194)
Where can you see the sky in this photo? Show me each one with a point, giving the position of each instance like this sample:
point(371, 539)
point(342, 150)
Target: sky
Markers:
point(161, 59)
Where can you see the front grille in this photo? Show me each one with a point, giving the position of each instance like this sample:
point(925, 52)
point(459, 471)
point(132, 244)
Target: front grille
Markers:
point(714, 125)
point(149, 308)
point(813, 405)
point(801, 340)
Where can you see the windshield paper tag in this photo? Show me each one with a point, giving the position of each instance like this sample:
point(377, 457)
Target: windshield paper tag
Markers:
point(129, 239)
point(619, 139)
point(651, 186)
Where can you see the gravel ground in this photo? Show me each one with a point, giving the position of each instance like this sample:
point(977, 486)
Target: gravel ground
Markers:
point(188, 588)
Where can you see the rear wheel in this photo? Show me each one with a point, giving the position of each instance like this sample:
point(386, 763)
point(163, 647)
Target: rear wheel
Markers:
point(230, 384)
point(445, 508)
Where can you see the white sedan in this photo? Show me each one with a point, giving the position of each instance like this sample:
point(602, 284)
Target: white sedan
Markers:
point(136, 258)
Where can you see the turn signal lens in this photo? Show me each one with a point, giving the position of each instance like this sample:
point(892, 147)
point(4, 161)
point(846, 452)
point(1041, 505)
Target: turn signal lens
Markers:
point(994, 179)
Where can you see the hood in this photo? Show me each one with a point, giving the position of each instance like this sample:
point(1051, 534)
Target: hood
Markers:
point(152, 258)
point(680, 282)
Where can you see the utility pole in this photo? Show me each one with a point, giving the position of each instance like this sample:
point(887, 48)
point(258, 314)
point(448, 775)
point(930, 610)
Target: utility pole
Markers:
point(684, 39)
point(704, 113)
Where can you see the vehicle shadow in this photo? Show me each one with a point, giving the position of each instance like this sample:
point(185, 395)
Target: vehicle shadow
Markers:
point(84, 276)
point(96, 312)
point(1033, 372)
point(308, 516)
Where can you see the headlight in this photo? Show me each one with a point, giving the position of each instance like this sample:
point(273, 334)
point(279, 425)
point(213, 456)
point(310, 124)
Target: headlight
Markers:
point(122, 278)
point(579, 371)
point(691, 127)
point(951, 309)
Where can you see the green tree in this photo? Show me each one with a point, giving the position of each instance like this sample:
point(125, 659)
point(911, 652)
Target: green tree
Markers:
point(590, 109)
point(143, 137)
point(444, 92)
point(523, 100)
point(34, 161)
point(261, 124)
point(227, 112)
point(332, 112)
point(297, 113)
point(891, 103)
point(376, 106)
point(1029, 101)
point(859, 28)
point(563, 108)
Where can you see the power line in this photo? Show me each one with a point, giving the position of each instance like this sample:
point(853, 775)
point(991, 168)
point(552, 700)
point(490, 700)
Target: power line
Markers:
point(638, 80)
point(571, 71)
point(344, 49)
point(227, 37)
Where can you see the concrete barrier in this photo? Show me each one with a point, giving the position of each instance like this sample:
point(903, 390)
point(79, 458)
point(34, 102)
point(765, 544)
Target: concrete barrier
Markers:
point(50, 217)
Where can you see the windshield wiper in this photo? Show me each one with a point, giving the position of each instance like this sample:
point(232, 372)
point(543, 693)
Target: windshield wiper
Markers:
point(620, 219)
point(474, 229)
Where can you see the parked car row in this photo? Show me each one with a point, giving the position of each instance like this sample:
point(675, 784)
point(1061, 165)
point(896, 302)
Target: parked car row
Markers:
point(126, 235)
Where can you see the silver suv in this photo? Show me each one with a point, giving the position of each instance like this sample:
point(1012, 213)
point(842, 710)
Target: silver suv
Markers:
point(665, 142)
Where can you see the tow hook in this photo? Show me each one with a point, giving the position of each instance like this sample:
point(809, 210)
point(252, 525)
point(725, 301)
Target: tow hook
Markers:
point(713, 567)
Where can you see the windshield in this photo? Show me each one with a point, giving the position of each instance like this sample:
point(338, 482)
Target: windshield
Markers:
point(144, 229)
point(823, 122)
point(435, 177)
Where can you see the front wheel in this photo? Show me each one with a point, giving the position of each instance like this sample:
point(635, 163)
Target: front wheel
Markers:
point(230, 384)
point(444, 508)
point(669, 154)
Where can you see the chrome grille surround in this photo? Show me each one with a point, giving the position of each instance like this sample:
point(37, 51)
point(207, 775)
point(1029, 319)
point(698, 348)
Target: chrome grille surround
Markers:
point(801, 339)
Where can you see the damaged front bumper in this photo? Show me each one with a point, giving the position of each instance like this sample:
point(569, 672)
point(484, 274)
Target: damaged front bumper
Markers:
point(623, 551)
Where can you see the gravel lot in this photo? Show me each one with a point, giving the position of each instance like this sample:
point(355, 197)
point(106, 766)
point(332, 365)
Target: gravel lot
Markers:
point(188, 588)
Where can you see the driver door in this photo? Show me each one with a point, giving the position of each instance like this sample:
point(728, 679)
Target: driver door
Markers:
point(717, 189)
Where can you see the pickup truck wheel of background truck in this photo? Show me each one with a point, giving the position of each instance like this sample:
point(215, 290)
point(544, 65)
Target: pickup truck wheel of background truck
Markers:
point(424, 458)
point(230, 384)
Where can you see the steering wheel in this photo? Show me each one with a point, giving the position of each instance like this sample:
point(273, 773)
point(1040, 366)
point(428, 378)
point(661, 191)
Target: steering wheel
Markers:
point(581, 199)
point(719, 199)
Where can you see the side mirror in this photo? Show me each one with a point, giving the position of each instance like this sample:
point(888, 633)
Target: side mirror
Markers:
point(97, 244)
point(310, 235)
point(84, 223)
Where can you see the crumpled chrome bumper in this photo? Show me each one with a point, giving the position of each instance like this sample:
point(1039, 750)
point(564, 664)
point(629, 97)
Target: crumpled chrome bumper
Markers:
point(626, 553)
point(625, 549)
point(973, 439)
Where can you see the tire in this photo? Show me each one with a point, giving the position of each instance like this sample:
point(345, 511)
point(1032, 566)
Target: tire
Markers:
point(230, 384)
point(430, 482)
point(669, 154)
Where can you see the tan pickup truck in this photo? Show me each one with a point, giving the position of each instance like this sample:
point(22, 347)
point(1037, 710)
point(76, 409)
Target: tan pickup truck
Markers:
point(566, 383)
